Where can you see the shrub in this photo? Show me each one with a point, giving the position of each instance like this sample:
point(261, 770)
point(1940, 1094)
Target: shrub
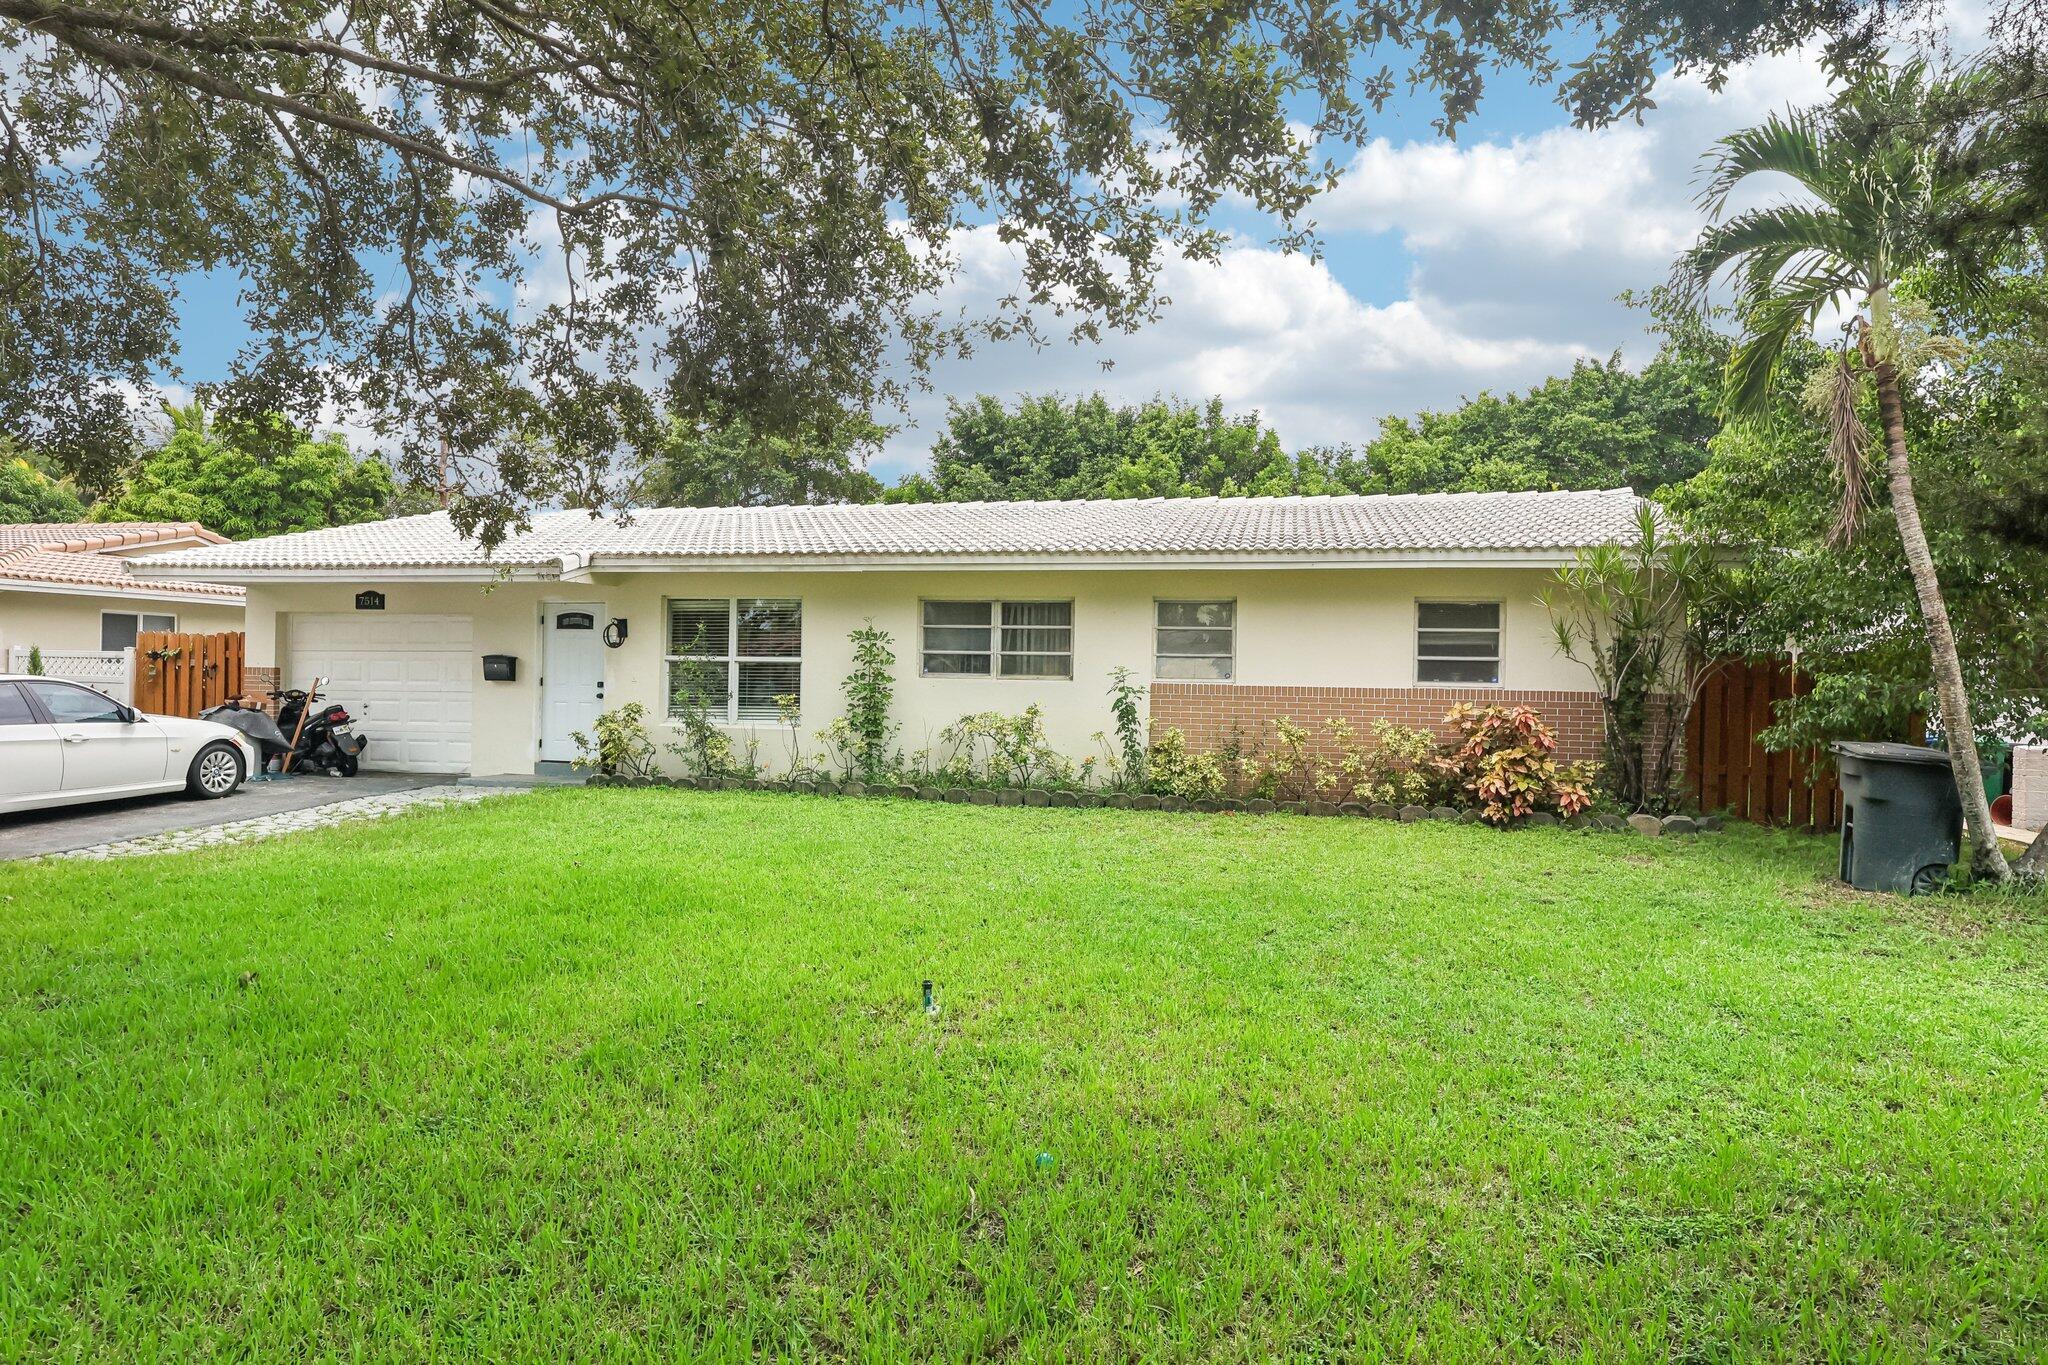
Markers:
point(869, 689)
point(35, 661)
point(618, 746)
point(789, 715)
point(1502, 764)
point(706, 751)
point(1398, 765)
point(1333, 764)
point(1170, 770)
point(1124, 696)
point(1009, 751)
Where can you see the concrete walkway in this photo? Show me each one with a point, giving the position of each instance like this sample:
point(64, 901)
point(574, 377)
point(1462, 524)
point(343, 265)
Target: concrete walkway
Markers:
point(34, 834)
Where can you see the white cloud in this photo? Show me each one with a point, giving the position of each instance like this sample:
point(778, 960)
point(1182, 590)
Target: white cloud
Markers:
point(1515, 250)
point(1258, 328)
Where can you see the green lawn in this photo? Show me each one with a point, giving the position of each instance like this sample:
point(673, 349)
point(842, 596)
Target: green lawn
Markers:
point(605, 1074)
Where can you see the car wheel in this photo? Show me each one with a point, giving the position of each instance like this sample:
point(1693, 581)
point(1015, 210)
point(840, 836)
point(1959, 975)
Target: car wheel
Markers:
point(215, 773)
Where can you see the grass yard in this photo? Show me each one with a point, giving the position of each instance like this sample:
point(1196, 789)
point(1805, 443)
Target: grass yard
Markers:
point(609, 1074)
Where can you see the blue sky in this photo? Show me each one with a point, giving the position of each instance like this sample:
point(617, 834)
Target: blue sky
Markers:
point(1448, 268)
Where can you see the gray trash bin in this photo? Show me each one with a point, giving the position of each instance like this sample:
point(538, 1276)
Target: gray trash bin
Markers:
point(1902, 823)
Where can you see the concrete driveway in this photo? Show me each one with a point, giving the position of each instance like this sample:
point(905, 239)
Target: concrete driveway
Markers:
point(63, 828)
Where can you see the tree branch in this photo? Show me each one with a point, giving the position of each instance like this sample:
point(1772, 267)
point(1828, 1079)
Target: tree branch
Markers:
point(128, 56)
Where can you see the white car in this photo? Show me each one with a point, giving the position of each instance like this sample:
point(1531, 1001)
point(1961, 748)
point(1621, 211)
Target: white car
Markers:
point(61, 744)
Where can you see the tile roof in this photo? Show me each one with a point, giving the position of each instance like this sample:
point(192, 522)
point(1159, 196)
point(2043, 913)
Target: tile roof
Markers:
point(76, 555)
point(1449, 524)
point(73, 536)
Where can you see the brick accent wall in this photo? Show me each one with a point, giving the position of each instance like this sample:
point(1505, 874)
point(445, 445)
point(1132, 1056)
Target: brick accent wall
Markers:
point(1211, 714)
point(257, 685)
point(2030, 787)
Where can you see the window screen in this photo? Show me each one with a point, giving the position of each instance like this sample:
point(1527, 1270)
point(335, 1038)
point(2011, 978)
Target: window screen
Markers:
point(1457, 642)
point(1001, 639)
point(118, 628)
point(1195, 640)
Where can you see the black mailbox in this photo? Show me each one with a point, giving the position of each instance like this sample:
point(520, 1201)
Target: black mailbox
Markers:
point(501, 668)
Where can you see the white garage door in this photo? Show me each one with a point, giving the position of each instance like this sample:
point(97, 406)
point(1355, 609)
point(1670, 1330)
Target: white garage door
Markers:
point(404, 678)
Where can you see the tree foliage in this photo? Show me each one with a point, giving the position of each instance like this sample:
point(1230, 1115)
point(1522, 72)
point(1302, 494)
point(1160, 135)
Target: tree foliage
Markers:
point(29, 492)
point(491, 222)
point(1601, 426)
point(246, 479)
point(1054, 447)
point(730, 463)
point(1873, 188)
point(1844, 609)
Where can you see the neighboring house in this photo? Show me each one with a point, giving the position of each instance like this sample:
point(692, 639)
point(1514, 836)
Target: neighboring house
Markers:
point(67, 587)
point(1233, 611)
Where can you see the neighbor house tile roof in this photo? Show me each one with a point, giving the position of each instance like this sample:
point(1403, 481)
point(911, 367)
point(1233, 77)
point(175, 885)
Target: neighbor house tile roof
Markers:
point(1195, 528)
point(80, 555)
point(70, 536)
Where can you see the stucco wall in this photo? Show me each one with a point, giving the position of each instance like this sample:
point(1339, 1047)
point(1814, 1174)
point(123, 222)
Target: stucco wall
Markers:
point(1318, 628)
point(72, 620)
point(2030, 786)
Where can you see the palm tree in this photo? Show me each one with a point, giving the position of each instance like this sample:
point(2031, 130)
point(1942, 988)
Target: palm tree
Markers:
point(1879, 187)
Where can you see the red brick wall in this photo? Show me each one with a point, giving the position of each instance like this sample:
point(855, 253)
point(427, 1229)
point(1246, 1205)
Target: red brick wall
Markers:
point(258, 684)
point(1211, 714)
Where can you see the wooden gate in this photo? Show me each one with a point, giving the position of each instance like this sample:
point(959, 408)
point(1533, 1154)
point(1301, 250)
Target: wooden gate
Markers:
point(1727, 769)
point(182, 675)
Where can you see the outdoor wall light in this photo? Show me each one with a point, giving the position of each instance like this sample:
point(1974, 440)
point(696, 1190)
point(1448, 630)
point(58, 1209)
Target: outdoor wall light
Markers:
point(615, 632)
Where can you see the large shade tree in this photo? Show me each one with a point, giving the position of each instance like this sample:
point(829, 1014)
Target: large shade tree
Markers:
point(528, 229)
point(1877, 183)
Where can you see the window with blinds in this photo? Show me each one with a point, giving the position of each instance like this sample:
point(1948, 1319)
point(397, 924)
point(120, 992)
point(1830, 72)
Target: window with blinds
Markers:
point(1457, 642)
point(735, 656)
point(999, 639)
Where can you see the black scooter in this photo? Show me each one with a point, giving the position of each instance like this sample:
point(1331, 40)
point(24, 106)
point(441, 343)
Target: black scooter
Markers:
point(326, 743)
point(326, 740)
point(272, 744)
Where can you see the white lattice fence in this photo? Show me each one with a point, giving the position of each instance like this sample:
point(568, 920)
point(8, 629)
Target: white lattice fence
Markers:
point(111, 672)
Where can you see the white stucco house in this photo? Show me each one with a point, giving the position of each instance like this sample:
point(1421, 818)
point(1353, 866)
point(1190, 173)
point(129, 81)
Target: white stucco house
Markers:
point(1232, 611)
point(68, 589)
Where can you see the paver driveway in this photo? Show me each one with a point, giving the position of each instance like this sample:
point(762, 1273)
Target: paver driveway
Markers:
point(64, 828)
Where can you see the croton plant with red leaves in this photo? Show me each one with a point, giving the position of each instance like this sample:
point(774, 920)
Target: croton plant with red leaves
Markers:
point(1504, 759)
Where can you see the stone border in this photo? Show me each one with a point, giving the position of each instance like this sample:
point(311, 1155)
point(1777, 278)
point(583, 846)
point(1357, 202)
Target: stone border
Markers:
point(1066, 798)
point(272, 826)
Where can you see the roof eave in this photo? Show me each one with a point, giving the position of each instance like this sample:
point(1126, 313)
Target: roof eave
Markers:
point(1138, 560)
point(443, 573)
point(143, 591)
point(574, 569)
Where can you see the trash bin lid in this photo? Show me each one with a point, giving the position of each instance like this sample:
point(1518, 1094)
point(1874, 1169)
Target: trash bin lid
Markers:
point(1894, 753)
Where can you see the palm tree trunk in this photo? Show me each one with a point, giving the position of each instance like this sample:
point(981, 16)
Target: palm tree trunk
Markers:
point(1986, 858)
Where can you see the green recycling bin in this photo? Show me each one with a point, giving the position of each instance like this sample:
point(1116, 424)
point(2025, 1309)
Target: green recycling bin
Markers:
point(1902, 823)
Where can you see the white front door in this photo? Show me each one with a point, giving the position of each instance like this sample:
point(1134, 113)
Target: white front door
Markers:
point(572, 675)
point(405, 678)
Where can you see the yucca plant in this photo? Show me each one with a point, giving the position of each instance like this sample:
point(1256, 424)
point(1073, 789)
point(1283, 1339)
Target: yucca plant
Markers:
point(1880, 175)
point(1634, 615)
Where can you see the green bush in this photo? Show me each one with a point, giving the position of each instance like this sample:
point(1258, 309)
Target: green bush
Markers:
point(869, 689)
point(1171, 770)
point(619, 746)
point(1502, 764)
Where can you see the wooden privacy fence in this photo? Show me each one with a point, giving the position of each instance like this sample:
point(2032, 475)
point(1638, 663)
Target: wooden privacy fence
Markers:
point(182, 675)
point(1725, 767)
